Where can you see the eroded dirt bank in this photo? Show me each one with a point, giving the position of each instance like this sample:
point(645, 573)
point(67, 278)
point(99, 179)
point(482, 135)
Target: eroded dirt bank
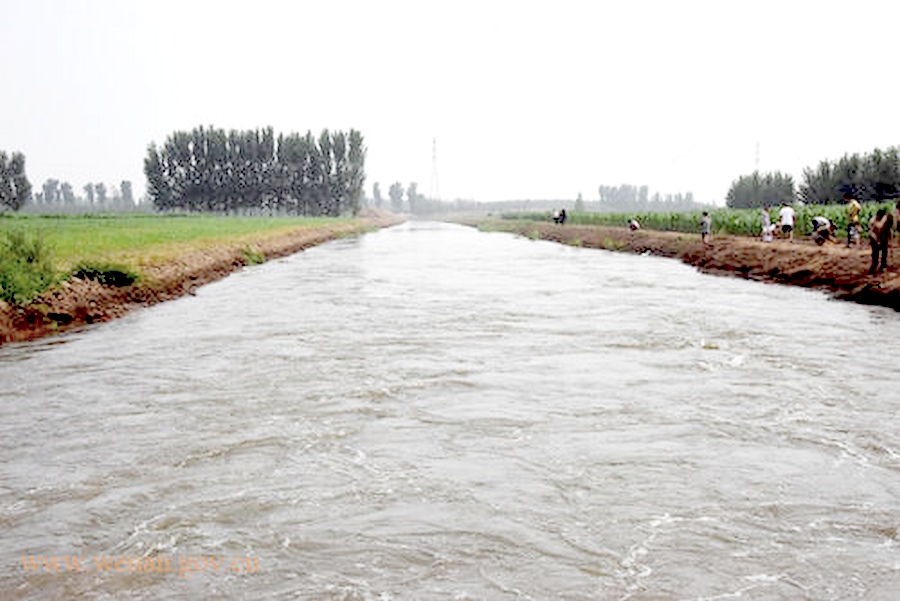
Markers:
point(834, 268)
point(78, 302)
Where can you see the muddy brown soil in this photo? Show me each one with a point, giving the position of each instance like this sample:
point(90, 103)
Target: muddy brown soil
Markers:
point(841, 271)
point(77, 302)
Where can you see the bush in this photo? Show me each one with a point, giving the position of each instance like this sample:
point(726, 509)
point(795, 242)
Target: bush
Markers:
point(109, 274)
point(252, 257)
point(26, 267)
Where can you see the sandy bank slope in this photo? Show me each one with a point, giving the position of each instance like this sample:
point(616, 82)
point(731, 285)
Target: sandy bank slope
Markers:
point(78, 302)
point(835, 268)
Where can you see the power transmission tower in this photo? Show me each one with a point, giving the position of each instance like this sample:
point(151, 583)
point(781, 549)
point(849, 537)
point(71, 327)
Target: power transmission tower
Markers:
point(434, 191)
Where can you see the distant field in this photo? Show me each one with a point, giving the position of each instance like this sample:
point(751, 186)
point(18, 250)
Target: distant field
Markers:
point(143, 239)
point(739, 222)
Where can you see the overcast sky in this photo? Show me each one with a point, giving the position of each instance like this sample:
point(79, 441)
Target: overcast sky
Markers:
point(525, 99)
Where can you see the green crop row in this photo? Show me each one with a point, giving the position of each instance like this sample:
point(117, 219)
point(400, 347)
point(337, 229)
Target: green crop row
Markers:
point(738, 222)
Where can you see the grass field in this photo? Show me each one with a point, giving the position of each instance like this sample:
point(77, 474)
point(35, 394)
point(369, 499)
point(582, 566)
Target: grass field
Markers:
point(38, 250)
point(137, 240)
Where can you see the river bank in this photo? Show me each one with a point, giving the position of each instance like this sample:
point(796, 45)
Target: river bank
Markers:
point(77, 302)
point(834, 268)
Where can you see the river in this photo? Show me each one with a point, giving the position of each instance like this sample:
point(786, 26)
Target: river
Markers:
point(433, 412)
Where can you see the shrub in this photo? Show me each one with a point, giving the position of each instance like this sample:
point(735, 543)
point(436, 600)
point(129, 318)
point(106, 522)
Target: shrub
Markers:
point(252, 257)
point(108, 274)
point(26, 267)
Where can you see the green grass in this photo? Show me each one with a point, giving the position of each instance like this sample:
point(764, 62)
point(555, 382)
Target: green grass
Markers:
point(37, 251)
point(135, 240)
point(26, 266)
point(251, 256)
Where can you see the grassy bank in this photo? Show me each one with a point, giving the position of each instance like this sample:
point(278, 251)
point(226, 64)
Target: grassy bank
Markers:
point(103, 267)
point(137, 240)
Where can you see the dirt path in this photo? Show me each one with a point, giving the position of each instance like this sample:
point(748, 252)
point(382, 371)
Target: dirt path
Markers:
point(78, 302)
point(833, 267)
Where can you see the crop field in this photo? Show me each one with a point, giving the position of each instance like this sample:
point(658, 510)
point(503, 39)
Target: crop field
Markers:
point(738, 222)
point(140, 239)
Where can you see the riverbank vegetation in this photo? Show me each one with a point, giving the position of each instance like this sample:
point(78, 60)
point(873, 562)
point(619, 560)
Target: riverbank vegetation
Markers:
point(26, 266)
point(113, 249)
point(253, 171)
point(738, 222)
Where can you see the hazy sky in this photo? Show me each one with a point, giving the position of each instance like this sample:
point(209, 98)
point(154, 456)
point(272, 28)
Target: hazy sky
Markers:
point(526, 99)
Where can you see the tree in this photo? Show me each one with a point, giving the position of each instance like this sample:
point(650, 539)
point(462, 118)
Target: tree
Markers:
point(100, 190)
point(873, 177)
point(51, 191)
point(579, 204)
point(356, 179)
point(412, 197)
point(15, 189)
point(89, 193)
point(755, 190)
point(66, 194)
point(376, 195)
point(127, 193)
point(209, 169)
point(395, 193)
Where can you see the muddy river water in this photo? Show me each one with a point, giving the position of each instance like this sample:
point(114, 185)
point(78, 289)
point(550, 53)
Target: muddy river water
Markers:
point(433, 412)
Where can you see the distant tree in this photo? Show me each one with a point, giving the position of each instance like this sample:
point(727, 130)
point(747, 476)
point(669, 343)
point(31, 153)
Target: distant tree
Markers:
point(395, 193)
point(51, 191)
point(412, 197)
point(210, 169)
point(356, 176)
point(15, 189)
point(66, 194)
point(376, 195)
point(755, 190)
point(326, 203)
point(630, 199)
point(872, 177)
point(579, 204)
point(643, 193)
point(127, 193)
point(89, 193)
point(100, 190)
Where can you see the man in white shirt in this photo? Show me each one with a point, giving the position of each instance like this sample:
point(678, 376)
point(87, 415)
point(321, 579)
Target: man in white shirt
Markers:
point(786, 219)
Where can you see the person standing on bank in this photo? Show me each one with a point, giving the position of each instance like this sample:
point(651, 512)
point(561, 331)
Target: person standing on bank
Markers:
point(853, 211)
point(786, 218)
point(897, 216)
point(767, 227)
point(879, 237)
point(705, 227)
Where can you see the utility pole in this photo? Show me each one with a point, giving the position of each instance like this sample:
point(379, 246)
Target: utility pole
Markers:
point(756, 177)
point(434, 191)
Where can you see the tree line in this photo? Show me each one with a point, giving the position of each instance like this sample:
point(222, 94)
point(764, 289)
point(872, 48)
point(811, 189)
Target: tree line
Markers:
point(759, 190)
point(212, 170)
point(630, 198)
point(872, 177)
point(56, 195)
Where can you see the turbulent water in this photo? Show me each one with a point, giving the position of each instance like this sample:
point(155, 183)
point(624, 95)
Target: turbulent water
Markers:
point(432, 412)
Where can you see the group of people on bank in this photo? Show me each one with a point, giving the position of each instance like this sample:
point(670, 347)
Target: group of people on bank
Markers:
point(880, 229)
